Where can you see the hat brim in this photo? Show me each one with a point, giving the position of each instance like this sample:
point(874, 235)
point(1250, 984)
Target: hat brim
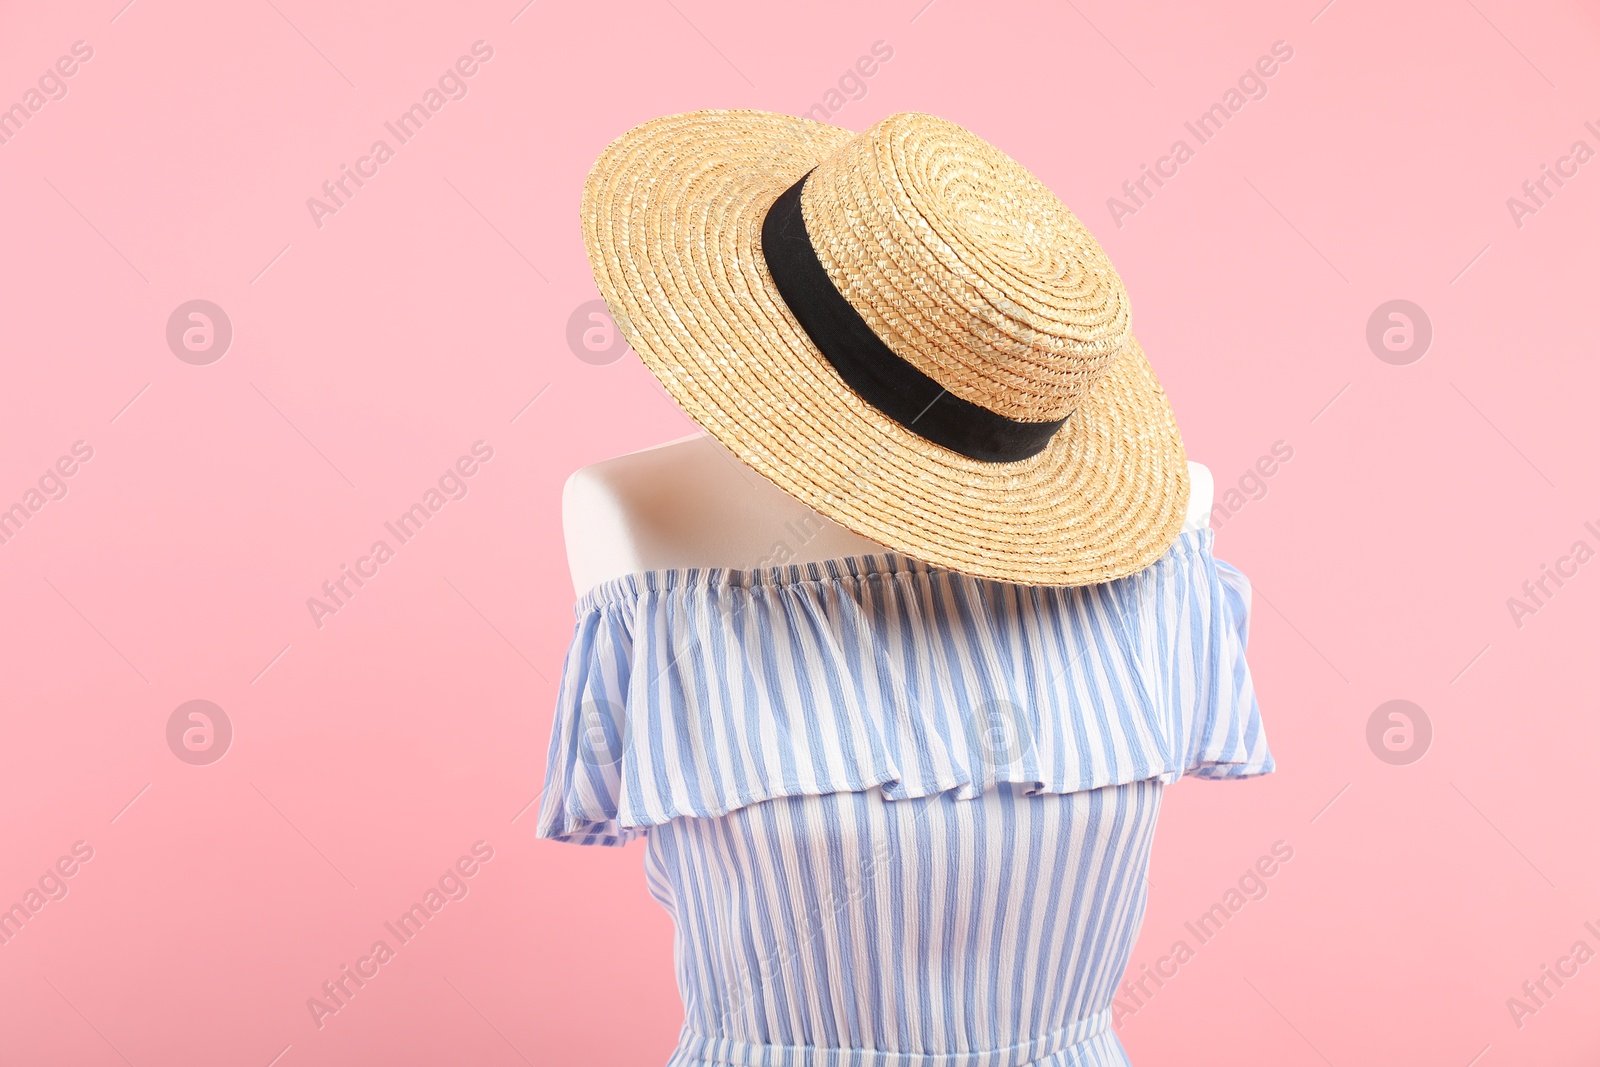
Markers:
point(672, 215)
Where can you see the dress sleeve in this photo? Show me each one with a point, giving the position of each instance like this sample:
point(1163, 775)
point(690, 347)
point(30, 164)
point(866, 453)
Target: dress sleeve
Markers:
point(585, 769)
point(1228, 740)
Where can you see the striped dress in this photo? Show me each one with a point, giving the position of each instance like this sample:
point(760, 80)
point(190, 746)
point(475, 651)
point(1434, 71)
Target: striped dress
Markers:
point(901, 817)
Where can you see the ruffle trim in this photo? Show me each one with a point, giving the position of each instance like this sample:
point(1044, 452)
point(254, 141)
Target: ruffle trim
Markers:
point(698, 692)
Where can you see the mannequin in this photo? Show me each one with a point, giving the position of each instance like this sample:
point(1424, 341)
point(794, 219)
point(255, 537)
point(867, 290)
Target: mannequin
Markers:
point(691, 503)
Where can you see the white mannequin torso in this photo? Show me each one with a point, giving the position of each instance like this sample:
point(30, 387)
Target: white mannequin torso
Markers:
point(691, 503)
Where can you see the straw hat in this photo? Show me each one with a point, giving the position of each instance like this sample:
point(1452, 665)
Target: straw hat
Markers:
point(903, 328)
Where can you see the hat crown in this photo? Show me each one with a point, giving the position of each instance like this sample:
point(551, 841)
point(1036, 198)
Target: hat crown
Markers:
point(967, 266)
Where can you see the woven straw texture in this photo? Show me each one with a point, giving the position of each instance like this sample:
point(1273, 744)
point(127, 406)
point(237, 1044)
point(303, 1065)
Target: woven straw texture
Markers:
point(965, 265)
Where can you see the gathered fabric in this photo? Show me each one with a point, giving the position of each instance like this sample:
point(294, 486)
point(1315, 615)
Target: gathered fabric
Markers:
point(901, 816)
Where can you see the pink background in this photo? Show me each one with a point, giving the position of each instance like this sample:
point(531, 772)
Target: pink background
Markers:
point(369, 353)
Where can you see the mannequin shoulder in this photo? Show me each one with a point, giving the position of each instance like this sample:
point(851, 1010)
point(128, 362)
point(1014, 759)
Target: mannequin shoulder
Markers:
point(605, 507)
point(641, 485)
point(1202, 487)
point(689, 503)
point(692, 503)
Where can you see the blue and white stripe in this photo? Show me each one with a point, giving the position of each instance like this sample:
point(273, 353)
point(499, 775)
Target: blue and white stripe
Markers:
point(901, 816)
